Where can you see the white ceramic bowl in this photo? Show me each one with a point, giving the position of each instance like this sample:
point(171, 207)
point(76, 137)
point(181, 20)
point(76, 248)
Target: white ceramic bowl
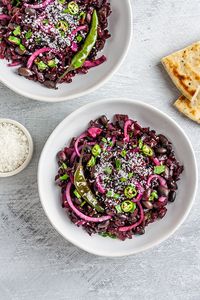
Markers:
point(156, 232)
point(120, 26)
point(30, 144)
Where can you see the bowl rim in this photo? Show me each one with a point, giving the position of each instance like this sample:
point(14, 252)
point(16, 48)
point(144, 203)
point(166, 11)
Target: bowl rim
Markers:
point(157, 241)
point(91, 89)
point(30, 143)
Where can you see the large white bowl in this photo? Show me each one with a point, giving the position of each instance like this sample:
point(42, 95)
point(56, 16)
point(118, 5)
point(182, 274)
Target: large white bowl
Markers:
point(75, 124)
point(120, 27)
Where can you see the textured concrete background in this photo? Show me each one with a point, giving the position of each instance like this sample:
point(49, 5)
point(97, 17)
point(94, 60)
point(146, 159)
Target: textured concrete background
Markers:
point(37, 263)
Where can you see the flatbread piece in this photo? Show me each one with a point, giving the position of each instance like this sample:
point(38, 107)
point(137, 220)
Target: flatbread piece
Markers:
point(184, 69)
point(185, 106)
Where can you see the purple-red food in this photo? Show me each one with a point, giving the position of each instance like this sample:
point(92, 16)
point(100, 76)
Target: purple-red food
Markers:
point(117, 177)
point(53, 40)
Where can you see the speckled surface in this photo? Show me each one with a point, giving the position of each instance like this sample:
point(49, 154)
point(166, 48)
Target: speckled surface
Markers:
point(37, 263)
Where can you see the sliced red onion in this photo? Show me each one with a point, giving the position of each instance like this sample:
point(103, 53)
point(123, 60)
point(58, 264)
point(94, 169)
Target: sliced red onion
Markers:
point(37, 6)
point(38, 52)
point(160, 179)
point(94, 63)
point(94, 131)
point(82, 136)
point(74, 47)
point(127, 228)
point(141, 191)
point(156, 161)
point(99, 186)
point(80, 214)
point(162, 199)
point(79, 28)
point(4, 17)
point(80, 223)
point(74, 154)
point(126, 136)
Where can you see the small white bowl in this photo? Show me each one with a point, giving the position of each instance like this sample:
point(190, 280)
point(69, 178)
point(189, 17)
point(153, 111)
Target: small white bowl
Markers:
point(30, 143)
point(116, 48)
point(147, 116)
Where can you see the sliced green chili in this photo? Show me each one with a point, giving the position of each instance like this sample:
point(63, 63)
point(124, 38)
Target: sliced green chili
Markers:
point(77, 194)
point(14, 40)
point(91, 162)
point(96, 150)
point(64, 177)
point(130, 192)
point(147, 150)
point(118, 208)
point(128, 206)
point(73, 8)
point(51, 63)
point(81, 56)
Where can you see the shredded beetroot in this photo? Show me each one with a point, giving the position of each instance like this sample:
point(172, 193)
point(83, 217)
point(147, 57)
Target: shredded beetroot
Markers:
point(82, 136)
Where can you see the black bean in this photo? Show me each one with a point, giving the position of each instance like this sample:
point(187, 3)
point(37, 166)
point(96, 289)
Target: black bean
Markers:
point(162, 212)
point(77, 201)
point(163, 191)
point(146, 194)
point(172, 196)
point(161, 150)
point(120, 144)
point(104, 225)
point(163, 140)
point(166, 173)
point(25, 72)
point(147, 204)
point(30, 11)
point(140, 230)
point(61, 156)
point(19, 51)
point(50, 84)
point(103, 120)
point(172, 185)
point(11, 26)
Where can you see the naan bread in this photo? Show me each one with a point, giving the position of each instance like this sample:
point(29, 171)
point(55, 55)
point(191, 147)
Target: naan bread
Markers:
point(185, 106)
point(184, 69)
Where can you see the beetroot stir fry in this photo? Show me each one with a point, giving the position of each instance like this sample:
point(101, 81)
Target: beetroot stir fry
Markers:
point(53, 40)
point(117, 177)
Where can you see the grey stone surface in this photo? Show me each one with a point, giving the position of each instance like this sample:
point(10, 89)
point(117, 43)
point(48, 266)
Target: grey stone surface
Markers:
point(37, 263)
